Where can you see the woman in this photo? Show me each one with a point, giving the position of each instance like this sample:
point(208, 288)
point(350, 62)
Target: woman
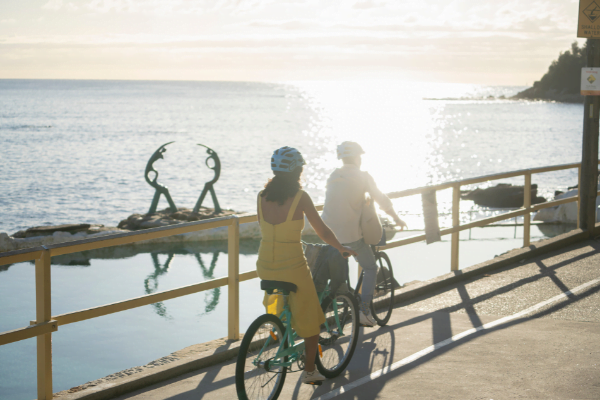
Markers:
point(281, 208)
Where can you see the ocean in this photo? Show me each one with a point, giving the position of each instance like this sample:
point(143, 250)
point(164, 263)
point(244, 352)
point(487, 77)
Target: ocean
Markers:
point(76, 151)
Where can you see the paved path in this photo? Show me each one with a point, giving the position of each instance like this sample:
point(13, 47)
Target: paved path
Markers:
point(551, 352)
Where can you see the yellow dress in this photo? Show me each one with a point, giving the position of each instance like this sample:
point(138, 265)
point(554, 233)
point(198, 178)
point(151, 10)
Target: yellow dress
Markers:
point(280, 258)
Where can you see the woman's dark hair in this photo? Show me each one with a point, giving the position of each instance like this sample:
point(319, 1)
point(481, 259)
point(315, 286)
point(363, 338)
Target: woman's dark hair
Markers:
point(283, 186)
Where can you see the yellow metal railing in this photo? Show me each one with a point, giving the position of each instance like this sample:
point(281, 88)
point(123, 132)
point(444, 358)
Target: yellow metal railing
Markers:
point(46, 323)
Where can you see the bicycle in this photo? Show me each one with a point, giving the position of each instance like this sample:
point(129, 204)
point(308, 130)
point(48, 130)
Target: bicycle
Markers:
point(383, 296)
point(269, 348)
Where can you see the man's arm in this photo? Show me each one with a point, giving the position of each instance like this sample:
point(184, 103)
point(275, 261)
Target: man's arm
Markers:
point(384, 202)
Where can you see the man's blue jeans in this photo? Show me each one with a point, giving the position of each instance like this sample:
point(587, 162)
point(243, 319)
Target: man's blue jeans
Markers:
point(366, 259)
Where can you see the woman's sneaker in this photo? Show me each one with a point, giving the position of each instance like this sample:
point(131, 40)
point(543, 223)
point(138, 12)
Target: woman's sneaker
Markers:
point(366, 319)
point(312, 378)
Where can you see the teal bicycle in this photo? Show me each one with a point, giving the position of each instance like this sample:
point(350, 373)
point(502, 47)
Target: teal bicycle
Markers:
point(271, 348)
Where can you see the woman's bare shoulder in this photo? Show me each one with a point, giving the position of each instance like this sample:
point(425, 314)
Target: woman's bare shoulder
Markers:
point(306, 202)
point(305, 197)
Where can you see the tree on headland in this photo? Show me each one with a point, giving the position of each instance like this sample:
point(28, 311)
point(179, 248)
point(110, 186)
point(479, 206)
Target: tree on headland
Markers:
point(563, 79)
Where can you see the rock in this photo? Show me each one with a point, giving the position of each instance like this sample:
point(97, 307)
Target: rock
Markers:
point(165, 217)
point(19, 235)
point(537, 93)
point(6, 242)
point(564, 213)
point(154, 223)
point(49, 230)
point(60, 237)
point(503, 195)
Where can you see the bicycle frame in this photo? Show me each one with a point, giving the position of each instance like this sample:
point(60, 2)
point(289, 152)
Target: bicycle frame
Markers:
point(295, 350)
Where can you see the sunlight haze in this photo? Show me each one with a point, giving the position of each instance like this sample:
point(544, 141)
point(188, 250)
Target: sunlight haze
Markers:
point(464, 41)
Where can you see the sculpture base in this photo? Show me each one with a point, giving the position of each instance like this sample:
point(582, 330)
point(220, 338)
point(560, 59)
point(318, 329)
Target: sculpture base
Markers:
point(165, 218)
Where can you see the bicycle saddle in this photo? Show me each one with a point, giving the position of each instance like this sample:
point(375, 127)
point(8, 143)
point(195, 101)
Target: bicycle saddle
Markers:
point(284, 287)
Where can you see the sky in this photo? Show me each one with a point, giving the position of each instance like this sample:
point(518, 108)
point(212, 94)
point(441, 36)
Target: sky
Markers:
point(461, 41)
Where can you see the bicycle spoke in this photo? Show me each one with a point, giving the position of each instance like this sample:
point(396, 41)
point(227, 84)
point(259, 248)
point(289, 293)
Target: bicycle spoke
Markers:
point(269, 380)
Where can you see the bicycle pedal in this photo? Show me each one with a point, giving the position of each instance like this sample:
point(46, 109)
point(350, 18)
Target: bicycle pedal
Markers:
point(316, 383)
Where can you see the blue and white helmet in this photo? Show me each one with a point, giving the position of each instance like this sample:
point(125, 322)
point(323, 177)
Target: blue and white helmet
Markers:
point(286, 159)
point(349, 149)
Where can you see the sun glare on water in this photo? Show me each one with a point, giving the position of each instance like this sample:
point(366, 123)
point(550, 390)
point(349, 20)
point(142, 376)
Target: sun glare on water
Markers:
point(395, 123)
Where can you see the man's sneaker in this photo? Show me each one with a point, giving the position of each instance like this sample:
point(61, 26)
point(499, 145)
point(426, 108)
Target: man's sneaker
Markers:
point(312, 378)
point(366, 319)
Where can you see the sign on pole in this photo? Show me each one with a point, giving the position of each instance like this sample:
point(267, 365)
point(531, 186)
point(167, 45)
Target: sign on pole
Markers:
point(430, 215)
point(590, 81)
point(588, 24)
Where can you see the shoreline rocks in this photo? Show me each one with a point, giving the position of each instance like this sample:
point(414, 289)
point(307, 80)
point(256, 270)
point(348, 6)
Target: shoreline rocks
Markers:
point(564, 213)
point(165, 218)
point(55, 234)
point(537, 93)
point(72, 229)
point(503, 195)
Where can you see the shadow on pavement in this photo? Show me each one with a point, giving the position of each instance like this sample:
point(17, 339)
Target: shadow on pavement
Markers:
point(376, 348)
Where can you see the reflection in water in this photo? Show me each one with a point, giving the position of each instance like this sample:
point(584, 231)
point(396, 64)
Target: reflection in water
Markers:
point(151, 282)
point(247, 247)
point(208, 274)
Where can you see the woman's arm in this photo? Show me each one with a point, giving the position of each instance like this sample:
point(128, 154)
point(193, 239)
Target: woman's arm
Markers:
point(320, 227)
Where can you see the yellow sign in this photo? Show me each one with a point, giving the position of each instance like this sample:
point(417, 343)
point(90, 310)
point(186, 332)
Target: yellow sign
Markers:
point(588, 25)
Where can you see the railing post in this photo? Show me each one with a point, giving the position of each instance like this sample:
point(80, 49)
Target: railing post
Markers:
point(233, 288)
point(455, 223)
point(43, 314)
point(527, 206)
point(578, 195)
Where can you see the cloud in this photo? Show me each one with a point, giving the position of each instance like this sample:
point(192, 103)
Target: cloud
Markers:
point(291, 24)
point(337, 35)
point(363, 5)
point(230, 7)
point(53, 5)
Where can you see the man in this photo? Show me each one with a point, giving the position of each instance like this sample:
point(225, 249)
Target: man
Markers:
point(344, 199)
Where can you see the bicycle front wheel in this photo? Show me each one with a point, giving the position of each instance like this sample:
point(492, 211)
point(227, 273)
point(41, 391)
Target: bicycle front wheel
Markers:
point(255, 376)
point(339, 335)
point(383, 296)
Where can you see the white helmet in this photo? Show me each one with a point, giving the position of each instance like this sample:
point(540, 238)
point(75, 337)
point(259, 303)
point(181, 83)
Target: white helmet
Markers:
point(349, 149)
point(286, 159)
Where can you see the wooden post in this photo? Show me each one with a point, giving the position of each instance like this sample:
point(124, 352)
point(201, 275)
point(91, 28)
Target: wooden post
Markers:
point(527, 206)
point(233, 288)
point(578, 197)
point(43, 314)
point(588, 186)
point(455, 223)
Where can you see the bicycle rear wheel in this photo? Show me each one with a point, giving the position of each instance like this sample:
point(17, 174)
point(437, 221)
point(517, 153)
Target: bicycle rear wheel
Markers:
point(254, 378)
point(383, 296)
point(338, 342)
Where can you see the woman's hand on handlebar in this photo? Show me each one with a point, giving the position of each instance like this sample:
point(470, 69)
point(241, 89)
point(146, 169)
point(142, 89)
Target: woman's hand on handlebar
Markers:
point(347, 252)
